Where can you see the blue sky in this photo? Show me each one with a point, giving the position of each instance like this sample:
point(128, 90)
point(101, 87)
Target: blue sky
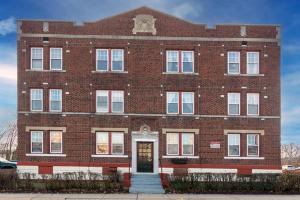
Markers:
point(285, 13)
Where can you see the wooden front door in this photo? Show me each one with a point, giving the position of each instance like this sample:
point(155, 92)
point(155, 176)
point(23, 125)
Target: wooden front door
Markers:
point(145, 157)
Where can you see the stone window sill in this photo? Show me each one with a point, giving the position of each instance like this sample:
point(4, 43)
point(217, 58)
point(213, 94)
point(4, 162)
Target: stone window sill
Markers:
point(180, 73)
point(108, 156)
point(109, 72)
point(254, 75)
point(47, 155)
point(44, 70)
point(245, 158)
point(189, 157)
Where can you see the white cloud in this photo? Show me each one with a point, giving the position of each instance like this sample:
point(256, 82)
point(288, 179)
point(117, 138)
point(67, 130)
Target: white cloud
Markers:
point(7, 26)
point(185, 10)
point(8, 72)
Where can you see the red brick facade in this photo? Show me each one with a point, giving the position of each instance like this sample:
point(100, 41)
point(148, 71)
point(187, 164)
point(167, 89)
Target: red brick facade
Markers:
point(145, 83)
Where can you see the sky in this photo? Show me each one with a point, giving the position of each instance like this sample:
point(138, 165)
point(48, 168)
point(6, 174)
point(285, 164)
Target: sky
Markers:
point(211, 12)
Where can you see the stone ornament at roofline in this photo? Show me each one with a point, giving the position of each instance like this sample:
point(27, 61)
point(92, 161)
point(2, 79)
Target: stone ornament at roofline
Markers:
point(144, 24)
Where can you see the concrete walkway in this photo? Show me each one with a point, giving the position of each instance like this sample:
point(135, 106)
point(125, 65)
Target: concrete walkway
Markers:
point(143, 196)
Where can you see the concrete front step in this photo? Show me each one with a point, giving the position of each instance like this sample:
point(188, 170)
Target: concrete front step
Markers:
point(146, 183)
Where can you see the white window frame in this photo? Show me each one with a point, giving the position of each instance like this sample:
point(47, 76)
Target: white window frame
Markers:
point(257, 96)
point(182, 144)
point(111, 145)
point(42, 68)
point(61, 142)
point(97, 94)
point(168, 59)
point(228, 145)
point(108, 145)
point(111, 60)
point(31, 90)
point(258, 67)
point(253, 145)
point(97, 58)
point(50, 99)
point(193, 62)
point(42, 142)
point(178, 135)
point(182, 93)
point(239, 62)
point(177, 103)
point(111, 103)
point(61, 58)
point(228, 110)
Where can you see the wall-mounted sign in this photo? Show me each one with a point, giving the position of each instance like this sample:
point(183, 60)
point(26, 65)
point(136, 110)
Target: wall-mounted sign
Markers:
point(215, 145)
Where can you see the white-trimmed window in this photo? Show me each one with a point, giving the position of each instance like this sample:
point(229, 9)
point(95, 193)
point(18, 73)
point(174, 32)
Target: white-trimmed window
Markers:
point(102, 101)
point(187, 102)
point(233, 62)
point(187, 144)
point(36, 99)
point(102, 143)
point(172, 102)
point(55, 142)
point(36, 141)
point(253, 104)
point(172, 61)
point(102, 59)
point(233, 144)
point(252, 145)
point(172, 143)
point(37, 58)
point(252, 62)
point(187, 61)
point(55, 99)
point(233, 103)
point(117, 104)
point(117, 59)
point(117, 143)
point(56, 58)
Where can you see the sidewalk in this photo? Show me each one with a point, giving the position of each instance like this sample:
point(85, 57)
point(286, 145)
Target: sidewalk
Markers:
point(18, 196)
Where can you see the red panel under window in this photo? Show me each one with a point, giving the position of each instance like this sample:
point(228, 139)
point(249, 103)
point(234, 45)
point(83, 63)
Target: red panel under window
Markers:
point(45, 169)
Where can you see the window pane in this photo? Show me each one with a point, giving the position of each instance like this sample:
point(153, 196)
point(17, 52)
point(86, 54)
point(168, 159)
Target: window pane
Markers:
point(102, 59)
point(234, 144)
point(253, 62)
point(36, 105)
point(234, 150)
point(172, 98)
point(187, 144)
point(117, 59)
point(187, 61)
point(37, 58)
point(187, 102)
point(252, 139)
point(102, 101)
point(172, 61)
point(117, 143)
point(234, 68)
point(102, 143)
point(56, 142)
point(55, 63)
point(233, 62)
point(253, 103)
point(173, 149)
point(172, 143)
point(36, 99)
point(37, 64)
point(55, 100)
point(117, 101)
point(233, 103)
point(234, 109)
point(253, 150)
point(36, 142)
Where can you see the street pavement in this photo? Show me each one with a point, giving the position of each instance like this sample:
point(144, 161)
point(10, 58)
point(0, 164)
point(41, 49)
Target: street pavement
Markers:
point(29, 196)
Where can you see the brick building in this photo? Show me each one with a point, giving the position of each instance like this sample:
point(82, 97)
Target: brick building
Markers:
point(144, 91)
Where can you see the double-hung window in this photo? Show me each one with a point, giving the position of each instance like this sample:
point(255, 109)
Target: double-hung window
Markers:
point(172, 102)
point(37, 58)
point(252, 145)
point(117, 61)
point(102, 59)
point(252, 62)
point(55, 99)
point(253, 104)
point(110, 60)
point(110, 101)
point(233, 144)
point(56, 58)
point(180, 144)
point(55, 142)
point(180, 61)
point(36, 99)
point(172, 61)
point(36, 141)
point(187, 102)
point(187, 61)
point(110, 143)
point(233, 62)
point(233, 103)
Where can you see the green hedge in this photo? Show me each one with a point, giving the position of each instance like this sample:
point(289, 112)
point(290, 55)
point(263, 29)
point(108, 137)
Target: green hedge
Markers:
point(65, 183)
point(232, 183)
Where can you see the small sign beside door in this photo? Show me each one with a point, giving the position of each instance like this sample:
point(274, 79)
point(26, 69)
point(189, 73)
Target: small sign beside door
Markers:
point(215, 145)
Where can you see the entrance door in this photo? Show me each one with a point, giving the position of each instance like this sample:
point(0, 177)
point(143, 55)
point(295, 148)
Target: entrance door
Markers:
point(145, 157)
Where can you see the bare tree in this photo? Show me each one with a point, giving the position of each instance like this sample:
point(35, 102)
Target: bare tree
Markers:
point(290, 153)
point(8, 139)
